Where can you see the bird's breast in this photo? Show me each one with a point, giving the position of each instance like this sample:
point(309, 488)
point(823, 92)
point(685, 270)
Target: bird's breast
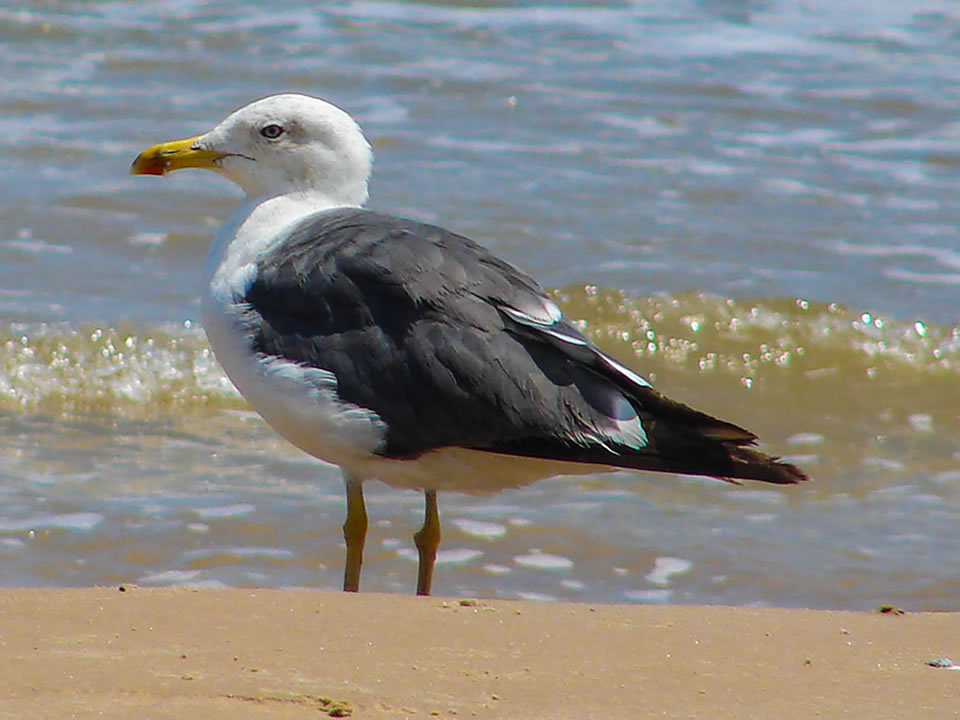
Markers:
point(299, 401)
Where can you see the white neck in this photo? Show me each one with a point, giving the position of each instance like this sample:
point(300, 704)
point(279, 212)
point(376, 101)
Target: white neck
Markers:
point(252, 229)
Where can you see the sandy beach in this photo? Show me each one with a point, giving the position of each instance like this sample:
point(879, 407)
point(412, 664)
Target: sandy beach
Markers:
point(188, 653)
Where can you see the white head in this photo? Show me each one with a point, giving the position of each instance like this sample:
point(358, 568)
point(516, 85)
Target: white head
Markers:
point(280, 145)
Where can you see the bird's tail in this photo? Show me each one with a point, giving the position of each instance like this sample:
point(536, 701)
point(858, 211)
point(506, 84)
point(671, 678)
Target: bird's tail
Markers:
point(673, 451)
point(711, 458)
point(687, 441)
point(754, 465)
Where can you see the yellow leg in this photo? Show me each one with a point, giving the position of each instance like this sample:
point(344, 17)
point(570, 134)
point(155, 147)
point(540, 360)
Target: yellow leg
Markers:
point(355, 533)
point(427, 541)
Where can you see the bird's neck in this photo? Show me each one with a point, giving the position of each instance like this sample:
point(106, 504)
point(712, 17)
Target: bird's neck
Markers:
point(256, 226)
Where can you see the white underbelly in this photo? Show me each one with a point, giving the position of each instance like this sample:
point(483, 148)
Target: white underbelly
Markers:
point(474, 472)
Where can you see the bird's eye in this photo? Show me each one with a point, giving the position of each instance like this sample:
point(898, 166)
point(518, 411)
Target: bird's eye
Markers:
point(271, 131)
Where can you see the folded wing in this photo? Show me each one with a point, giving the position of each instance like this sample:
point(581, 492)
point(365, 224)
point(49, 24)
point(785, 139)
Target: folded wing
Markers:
point(451, 346)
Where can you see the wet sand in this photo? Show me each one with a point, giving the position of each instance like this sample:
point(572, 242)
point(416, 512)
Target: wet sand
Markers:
point(187, 653)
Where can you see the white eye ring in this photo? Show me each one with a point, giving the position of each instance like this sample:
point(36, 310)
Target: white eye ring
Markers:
point(271, 131)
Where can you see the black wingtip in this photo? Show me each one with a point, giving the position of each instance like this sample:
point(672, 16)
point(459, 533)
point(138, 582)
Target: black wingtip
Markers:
point(754, 465)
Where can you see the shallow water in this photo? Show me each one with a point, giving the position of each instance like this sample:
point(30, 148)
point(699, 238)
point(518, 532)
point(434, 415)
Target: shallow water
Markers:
point(761, 197)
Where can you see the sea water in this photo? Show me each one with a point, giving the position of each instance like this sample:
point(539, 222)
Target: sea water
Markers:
point(752, 204)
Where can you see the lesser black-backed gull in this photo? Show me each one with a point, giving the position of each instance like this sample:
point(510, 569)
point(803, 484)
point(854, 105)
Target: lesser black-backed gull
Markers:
point(404, 352)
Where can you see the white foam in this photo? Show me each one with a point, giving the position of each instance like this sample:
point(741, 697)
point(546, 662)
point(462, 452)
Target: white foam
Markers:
point(883, 463)
point(543, 561)
point(169, 577)
point(480, 528)
point(453, 556)
point(149, 239)
point(497, 569)
point(665, 568)
point(457, 556)
point(806, 438)
point(65, 521)
point(537, 597)
point(224, 511)
point(244, 552)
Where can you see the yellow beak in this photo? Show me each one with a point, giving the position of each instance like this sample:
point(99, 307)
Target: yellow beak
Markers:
point(167, 157)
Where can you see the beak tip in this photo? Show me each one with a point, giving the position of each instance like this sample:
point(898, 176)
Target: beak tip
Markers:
point(146, 170)
point(147, 164)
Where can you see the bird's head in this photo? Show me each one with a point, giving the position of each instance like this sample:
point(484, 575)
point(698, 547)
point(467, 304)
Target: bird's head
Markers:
point(278, 145)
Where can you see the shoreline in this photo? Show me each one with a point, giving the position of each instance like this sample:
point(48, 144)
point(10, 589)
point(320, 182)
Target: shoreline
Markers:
point(198, 653)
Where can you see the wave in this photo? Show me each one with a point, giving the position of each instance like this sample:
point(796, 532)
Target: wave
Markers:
point(789, 354)
point(57, 369)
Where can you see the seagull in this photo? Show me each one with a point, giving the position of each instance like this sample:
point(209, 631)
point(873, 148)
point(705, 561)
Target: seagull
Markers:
point(406, 353)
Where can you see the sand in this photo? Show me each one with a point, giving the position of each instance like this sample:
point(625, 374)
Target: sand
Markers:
point(188, 653)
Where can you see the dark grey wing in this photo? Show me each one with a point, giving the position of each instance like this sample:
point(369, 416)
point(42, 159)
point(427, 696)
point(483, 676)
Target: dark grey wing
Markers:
point(451, 346)
point(409, 319)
